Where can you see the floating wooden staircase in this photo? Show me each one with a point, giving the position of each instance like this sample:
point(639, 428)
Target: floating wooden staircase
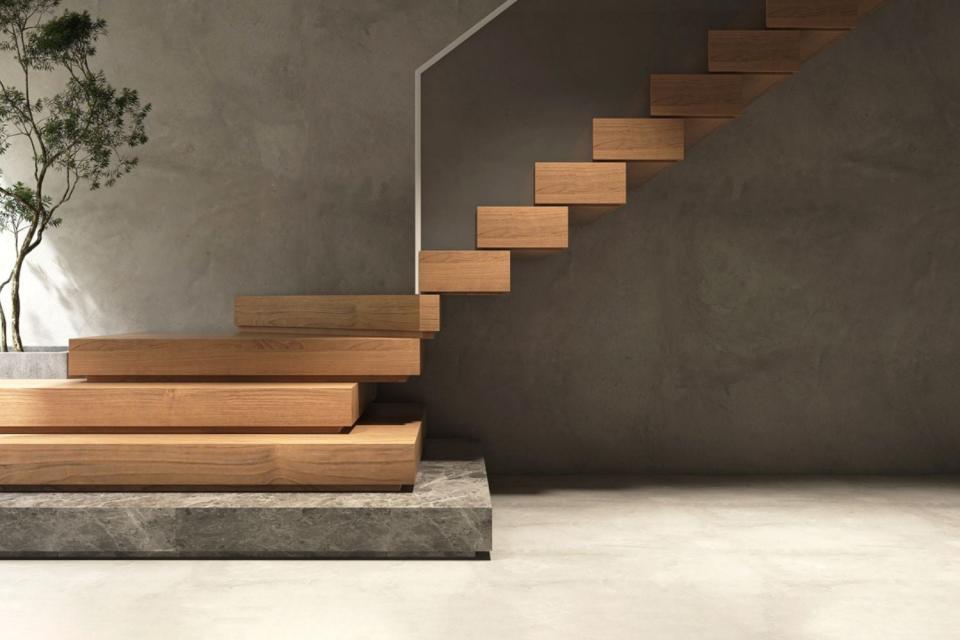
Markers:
point(286, 403)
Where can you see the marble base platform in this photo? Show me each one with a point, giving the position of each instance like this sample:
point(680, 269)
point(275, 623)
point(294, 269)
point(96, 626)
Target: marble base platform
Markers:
point(447, 515)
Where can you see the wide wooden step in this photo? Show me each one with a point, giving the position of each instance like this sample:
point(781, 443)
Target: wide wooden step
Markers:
point(765, 51)
point(380, 453)
point(252, 356)
point(706, 95)
point(78, 406)
point(638, 139)
point(580, 183)
point(535, 228)
point(812, 14)
point(468, 272)
point(400, 315)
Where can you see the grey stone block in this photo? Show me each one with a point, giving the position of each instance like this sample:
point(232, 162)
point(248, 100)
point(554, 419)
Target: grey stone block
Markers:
point(448, 514)
point(35, 363)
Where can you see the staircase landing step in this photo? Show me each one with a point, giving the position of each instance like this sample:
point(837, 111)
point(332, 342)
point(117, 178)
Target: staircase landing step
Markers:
point(447, 514)
point(380, 453)
point(77, 406)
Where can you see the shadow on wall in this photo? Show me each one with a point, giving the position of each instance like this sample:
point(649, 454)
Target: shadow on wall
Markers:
point(785, 300)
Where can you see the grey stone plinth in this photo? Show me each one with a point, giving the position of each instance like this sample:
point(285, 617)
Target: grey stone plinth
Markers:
point(36, 363)
point(448, 514)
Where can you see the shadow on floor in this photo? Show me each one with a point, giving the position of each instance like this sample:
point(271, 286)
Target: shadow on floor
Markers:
point(536, 485)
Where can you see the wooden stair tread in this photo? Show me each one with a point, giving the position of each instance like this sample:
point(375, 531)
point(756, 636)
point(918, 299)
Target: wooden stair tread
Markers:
point(580, 183)
point(87, 407)
point(765, 50)
point(812, 14)
point(707, 95)
point(466, 272)
point(412, 315)
point(522, 228)
point(347, 358)
point(638, 139)
point(382, 451)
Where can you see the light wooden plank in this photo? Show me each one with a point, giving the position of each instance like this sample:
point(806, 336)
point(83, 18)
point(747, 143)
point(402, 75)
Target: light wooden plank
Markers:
point(765, 51)
point(346, 358)
point(638, 139)
point(522, 227)
point(77, 406)
point(812, 14)
point(367, 315)
point(707, 95)
point(580, 183)
point(465, 272)
point(382, 451)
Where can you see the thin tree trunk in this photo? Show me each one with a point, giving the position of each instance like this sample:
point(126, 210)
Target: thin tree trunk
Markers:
point(15, 303)
point(3, 330)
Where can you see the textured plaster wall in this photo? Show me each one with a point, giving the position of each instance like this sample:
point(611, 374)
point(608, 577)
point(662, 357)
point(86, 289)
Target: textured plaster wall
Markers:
point(785, 300)
point(280, 161)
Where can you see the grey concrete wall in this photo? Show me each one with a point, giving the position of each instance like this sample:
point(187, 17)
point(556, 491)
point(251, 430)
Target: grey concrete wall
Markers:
point(280, 161)
point(785, 300)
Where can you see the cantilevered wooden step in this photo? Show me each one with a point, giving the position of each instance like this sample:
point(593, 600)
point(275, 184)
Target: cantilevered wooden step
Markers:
point(812, 14)
point(78, 406)
point(380, 453)
point(581, 183)
point(638, 139)
point(244, 356)
point(706, 95)
point(400, 315)
point(765, 51)
point(534, 228)
point(468, 272)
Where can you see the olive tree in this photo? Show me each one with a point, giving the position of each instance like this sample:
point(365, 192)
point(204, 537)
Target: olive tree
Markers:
point(80, 133)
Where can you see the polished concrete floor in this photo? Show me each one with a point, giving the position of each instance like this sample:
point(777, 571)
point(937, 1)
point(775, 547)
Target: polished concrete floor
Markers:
point(614, 558)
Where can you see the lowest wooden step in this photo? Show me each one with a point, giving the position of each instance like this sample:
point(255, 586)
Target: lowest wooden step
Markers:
point(765, 50)
point(78, 406)
point(397, 315)
point(380, 453)
point(244, 356)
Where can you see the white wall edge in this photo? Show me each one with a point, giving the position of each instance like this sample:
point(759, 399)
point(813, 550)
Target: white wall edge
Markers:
point(418, 175)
